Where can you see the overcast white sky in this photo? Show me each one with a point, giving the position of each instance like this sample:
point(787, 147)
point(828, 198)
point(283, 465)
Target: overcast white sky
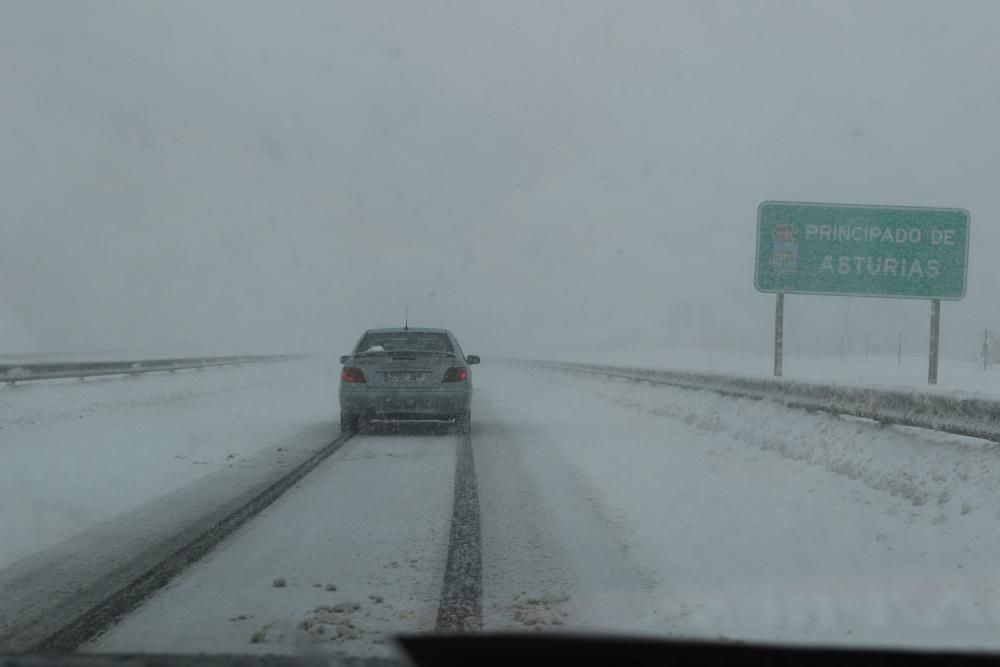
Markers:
point(538, 176)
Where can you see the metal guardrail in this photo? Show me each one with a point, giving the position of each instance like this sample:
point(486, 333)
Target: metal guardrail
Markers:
point(958, 414)
point(13, 373)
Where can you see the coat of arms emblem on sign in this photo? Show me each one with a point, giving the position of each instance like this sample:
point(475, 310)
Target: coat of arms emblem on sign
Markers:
point(786, 249)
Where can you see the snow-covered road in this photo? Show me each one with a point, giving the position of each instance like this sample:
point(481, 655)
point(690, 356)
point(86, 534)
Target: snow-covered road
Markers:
point(76, 454)
point(357, 551)
point(612, 505)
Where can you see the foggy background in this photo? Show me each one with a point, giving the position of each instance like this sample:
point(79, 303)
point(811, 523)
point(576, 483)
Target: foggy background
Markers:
point(553, 178)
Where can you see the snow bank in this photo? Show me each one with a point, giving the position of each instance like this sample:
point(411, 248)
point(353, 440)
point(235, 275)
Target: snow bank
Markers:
point(961, 414)
point(68, 400)
point(957, 474)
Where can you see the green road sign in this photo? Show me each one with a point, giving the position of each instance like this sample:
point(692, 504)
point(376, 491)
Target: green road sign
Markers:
point(915, 253)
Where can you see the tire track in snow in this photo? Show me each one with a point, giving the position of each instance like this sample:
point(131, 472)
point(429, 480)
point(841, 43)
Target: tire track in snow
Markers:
point(100, 617)
point(460, 608)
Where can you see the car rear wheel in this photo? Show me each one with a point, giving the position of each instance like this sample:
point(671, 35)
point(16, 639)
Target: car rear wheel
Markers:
point(349, 422)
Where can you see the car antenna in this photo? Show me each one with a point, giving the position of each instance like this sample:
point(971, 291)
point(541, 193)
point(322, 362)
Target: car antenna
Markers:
point(406, 320)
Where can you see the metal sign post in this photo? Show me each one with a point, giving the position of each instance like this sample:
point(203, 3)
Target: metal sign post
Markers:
point(986, 348)
point(779, 333)
point(932, 366)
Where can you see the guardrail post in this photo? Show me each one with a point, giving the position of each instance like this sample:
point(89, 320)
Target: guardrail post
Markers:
point(932, 362)
point(779, 333)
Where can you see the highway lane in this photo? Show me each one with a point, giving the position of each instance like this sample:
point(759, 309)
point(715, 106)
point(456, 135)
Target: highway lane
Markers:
point(604, 506)
point(354, 552)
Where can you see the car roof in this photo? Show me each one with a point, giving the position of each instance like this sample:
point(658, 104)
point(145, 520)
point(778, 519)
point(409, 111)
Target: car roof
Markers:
point(414, 329)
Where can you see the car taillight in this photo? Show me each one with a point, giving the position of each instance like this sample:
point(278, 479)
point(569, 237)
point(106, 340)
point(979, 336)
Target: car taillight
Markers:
point(456, 375)
point(352, 375)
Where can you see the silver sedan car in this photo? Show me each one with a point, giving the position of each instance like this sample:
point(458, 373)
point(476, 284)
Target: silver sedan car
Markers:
point(406, 374)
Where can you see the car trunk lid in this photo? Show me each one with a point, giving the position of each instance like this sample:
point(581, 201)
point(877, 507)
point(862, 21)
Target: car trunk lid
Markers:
point(404, 369)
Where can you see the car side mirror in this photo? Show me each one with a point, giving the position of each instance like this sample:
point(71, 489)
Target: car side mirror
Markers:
point(344, 358)
point(471, 359)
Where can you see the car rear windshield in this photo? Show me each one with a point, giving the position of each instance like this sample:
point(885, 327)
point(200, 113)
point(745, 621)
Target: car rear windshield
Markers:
point(405, 341)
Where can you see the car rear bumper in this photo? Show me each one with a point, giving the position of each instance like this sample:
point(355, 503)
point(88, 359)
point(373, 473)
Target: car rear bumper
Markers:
point(374, 402)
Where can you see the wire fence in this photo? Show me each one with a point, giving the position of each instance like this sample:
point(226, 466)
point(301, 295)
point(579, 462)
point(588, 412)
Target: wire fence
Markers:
point(980, 347)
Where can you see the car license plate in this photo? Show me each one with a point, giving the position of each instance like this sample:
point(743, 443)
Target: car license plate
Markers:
point(408, 376)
